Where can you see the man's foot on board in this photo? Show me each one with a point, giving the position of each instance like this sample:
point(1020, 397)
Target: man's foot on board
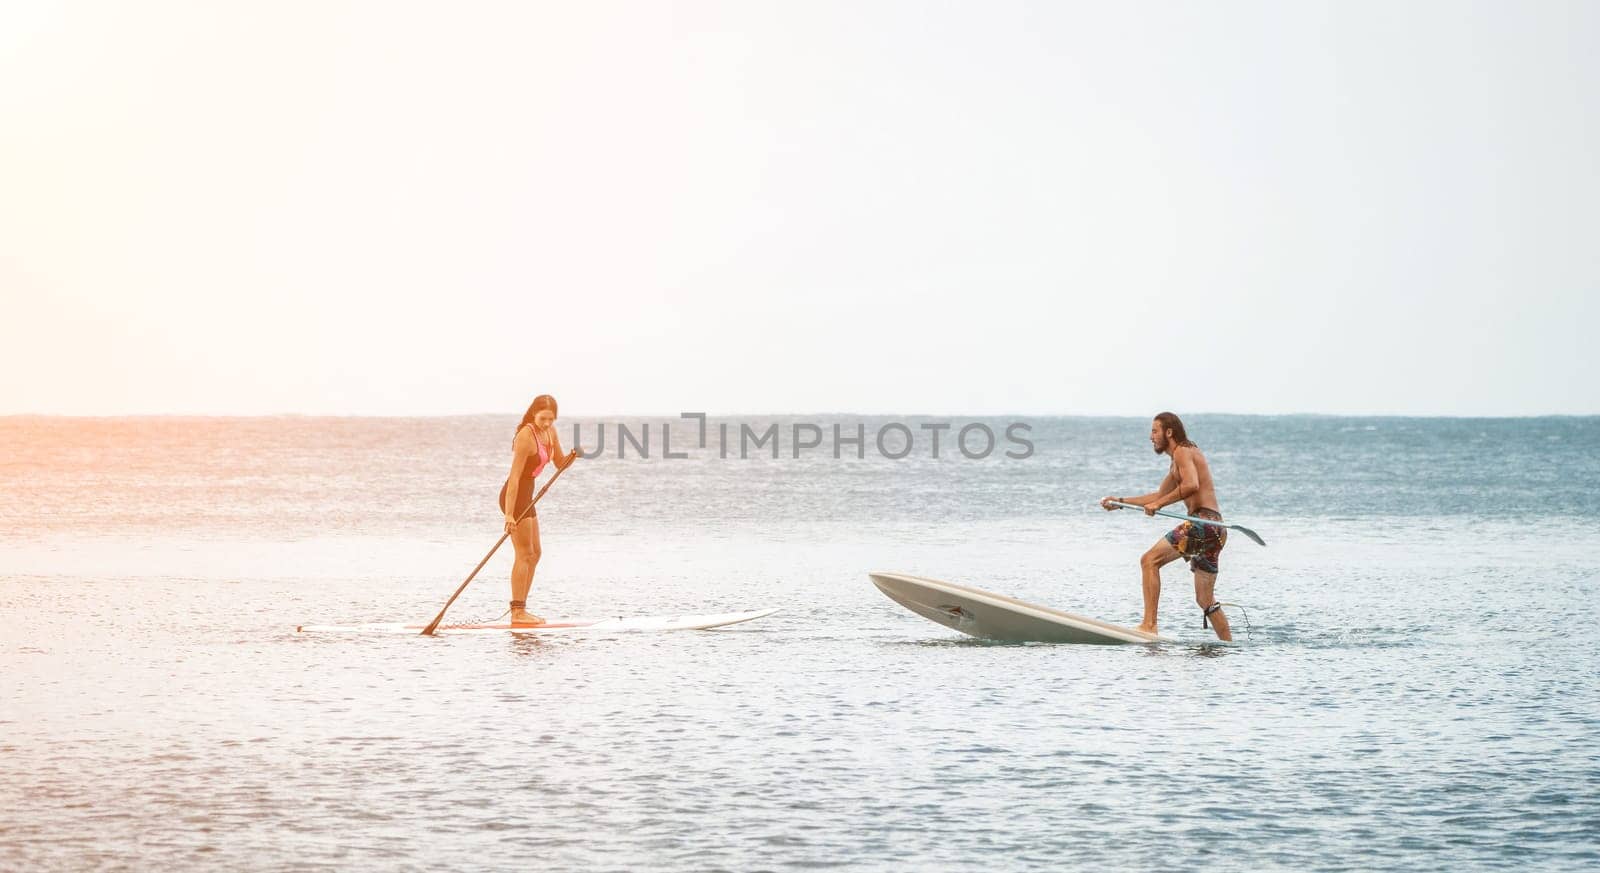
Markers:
point(524, 618)
point(1146, 628)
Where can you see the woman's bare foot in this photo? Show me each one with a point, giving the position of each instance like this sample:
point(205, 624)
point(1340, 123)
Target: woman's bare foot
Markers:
point(524, 617)
point(1146, 628)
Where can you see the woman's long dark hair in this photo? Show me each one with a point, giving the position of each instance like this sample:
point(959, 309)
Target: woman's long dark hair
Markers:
point(543, 401)
point(1168, 421)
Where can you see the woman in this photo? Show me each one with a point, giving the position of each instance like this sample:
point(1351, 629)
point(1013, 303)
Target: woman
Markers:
point(535, 445)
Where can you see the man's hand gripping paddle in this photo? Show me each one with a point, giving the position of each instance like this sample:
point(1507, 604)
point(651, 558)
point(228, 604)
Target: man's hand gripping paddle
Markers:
point(1238, 527)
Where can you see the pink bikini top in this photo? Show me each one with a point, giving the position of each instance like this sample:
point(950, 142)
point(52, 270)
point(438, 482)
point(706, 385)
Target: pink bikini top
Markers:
point(544, 456)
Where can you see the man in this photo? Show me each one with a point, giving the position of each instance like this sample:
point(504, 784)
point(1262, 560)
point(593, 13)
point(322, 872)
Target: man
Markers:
point(1188, 480)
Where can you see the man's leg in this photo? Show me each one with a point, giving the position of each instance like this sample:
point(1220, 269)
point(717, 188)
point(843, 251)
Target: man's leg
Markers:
point(1160, 555)
point(1205, 594)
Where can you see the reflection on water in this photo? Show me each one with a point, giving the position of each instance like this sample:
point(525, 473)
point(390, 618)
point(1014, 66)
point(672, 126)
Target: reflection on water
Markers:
point(527, 645)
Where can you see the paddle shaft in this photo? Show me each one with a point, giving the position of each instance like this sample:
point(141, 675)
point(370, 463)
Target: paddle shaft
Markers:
point(1210, 521)
point(428, 631)
point(1213, 522)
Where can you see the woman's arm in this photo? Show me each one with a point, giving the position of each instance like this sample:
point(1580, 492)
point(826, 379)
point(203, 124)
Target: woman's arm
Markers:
point(556, 455)
point(521, 447)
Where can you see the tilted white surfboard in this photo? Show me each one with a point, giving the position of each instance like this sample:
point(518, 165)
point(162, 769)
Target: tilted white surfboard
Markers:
point(993, 616)
point(606, 625)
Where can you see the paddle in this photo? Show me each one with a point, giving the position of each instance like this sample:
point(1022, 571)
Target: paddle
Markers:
point(1238, 527)
point(428, 631)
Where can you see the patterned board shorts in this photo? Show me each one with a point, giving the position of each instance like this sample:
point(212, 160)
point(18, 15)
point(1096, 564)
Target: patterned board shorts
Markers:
point(1200, 544)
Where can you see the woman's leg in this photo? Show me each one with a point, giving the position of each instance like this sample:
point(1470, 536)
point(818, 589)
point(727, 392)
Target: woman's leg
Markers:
point(525, 540)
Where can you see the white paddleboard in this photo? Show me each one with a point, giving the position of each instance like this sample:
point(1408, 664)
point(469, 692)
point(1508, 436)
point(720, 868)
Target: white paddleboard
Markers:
point(601, 626)
point(993, 616)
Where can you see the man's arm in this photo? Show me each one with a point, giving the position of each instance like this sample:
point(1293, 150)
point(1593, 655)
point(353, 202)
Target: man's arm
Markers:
point(1167, 484)
point(1186, 484)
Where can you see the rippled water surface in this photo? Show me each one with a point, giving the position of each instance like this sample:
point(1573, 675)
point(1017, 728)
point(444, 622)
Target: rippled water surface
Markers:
point(1417, 688)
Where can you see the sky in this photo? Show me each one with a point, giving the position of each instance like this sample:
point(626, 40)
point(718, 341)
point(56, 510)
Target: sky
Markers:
point(873, 207)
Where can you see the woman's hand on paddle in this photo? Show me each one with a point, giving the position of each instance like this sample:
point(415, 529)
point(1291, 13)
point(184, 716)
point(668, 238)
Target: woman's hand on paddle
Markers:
point(511, 524)
point(1107, 504)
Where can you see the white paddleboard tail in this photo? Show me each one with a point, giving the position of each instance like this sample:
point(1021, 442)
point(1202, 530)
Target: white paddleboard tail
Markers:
point(991, 616)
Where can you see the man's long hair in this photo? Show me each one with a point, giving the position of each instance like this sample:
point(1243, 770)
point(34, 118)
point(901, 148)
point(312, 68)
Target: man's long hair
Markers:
point(1170, 421)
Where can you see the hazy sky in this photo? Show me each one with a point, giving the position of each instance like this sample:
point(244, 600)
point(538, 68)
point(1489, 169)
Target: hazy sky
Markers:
point(803, 206)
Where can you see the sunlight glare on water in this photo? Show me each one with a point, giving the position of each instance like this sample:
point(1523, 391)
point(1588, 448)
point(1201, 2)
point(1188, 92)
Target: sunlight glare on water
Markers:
point(1415, 690)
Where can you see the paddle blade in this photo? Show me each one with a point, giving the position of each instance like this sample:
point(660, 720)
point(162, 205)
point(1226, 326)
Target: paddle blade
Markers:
point(1249, 533)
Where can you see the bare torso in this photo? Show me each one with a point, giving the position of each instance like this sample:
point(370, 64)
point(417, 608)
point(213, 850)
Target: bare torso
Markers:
point(1205, 495)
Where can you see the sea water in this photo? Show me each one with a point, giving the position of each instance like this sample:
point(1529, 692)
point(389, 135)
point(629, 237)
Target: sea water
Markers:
point(1414, 684)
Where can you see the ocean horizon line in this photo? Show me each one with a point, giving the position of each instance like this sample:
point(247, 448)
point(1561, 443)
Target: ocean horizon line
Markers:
point(655, 416)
